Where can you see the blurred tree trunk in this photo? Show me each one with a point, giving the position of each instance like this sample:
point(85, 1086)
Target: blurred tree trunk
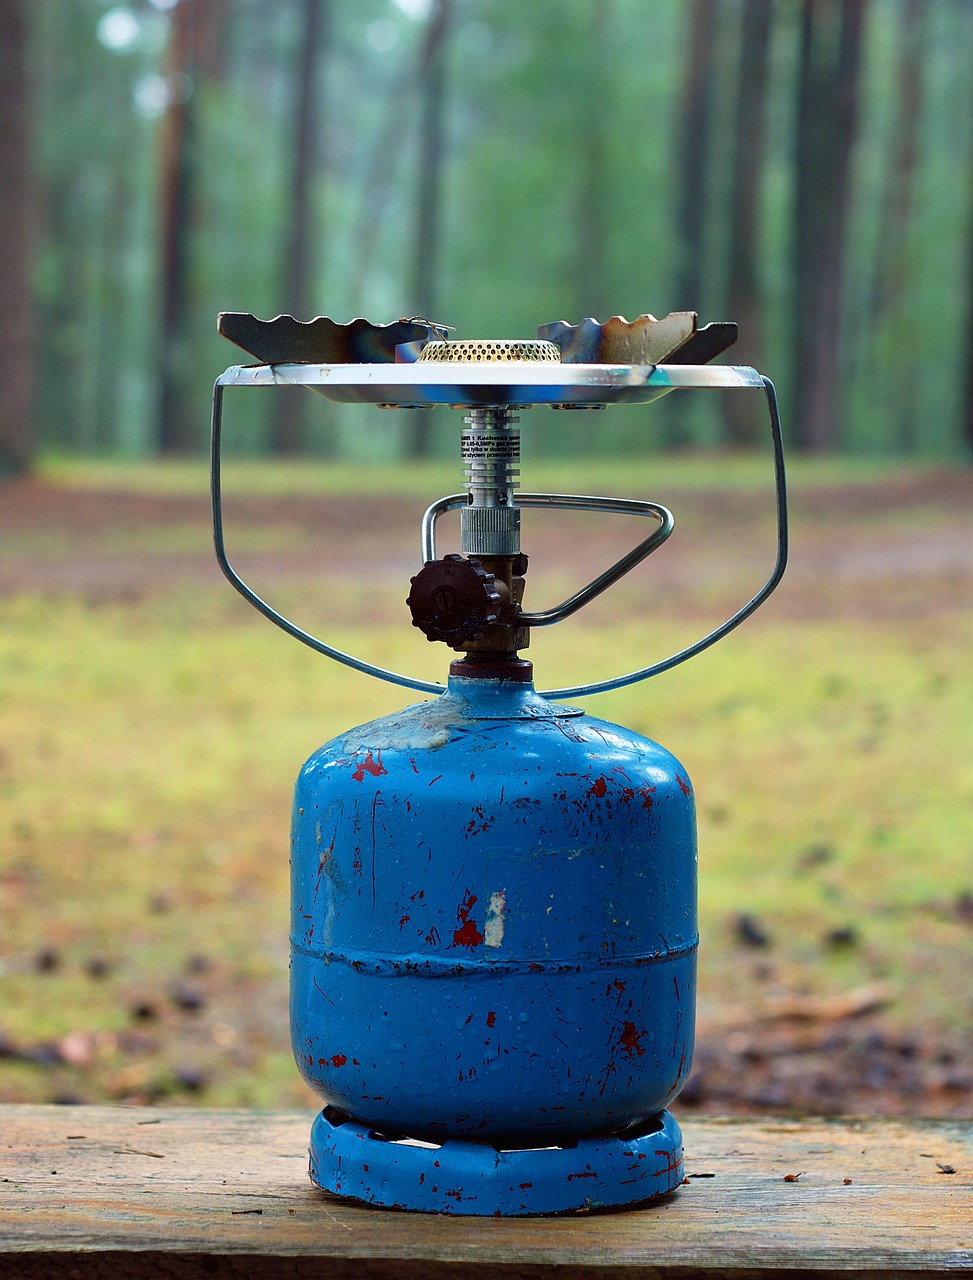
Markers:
point(426, 262)
point(967, 425)
point(379, 180)
point(16, 437)
point(889, 302)
point(743, 290)
point(591, 272)
point(827, 111)
point(692, 160)
point(194, 51)
point(691, 166)
point(290, 405)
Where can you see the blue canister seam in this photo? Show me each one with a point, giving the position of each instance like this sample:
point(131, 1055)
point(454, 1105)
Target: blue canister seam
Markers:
point(423, 966)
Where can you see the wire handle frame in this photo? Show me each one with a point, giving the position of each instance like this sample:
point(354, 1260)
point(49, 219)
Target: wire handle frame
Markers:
point(573, 691)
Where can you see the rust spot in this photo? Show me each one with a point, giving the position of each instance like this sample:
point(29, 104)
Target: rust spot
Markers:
point(631, 1040)
point(404, 921)
point(491, 1019)
point(467, 935)
point(369, 765)
point(339, 1059)
point(526, 1186)
point(598, 788)
point(684, 786)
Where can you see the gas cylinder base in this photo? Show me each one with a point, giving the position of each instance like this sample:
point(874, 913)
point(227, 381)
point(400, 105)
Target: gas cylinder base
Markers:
point(608, 1171)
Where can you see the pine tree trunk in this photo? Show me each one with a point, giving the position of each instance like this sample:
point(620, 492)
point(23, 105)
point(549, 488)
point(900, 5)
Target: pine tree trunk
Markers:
point(889, 302)
point(743, 291)
point(290, 406)
point(176, 180)
point(16, 443)
point(431, 79)
point(592, 264)
point(692, 161)
point(831, 38)
point(194, 54)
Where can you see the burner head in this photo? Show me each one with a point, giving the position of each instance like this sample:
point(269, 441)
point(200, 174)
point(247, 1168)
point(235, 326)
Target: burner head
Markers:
point(455, 350)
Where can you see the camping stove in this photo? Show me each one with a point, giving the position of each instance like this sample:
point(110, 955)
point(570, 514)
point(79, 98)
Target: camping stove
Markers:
point(493, 892)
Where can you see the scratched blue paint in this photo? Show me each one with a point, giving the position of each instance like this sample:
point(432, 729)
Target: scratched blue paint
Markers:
point(493, 924)
point(464, 1177)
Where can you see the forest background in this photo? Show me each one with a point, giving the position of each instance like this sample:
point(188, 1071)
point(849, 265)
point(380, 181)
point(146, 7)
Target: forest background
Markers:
point(803, 167)
point(800, 166)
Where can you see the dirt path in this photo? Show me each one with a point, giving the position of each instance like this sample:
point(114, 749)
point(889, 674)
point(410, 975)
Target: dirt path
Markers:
point(883, 550)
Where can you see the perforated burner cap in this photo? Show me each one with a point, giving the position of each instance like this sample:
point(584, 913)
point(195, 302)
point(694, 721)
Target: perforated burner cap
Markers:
point(485, 352)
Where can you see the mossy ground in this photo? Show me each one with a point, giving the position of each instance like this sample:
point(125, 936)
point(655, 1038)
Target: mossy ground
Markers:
point(149, 735)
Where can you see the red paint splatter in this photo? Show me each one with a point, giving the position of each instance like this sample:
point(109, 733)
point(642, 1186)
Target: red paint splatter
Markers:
point(526, 1186)
point(599, 788)
point(631, 1040)
point(339, 1059)
point(684, 786)
point(491, 1019)
point(404, 921)
point(370, 765)
point(535, 968)
point(672, 1159)
point(467, 935)
point(646, 794)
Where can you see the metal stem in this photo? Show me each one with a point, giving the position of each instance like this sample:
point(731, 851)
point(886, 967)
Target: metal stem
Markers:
point(491, 457)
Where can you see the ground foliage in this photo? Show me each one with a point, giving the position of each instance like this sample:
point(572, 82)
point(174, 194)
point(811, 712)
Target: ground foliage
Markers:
point(151, 724)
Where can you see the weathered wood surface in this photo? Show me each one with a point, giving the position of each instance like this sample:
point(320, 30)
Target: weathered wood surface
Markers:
point(113, 1191)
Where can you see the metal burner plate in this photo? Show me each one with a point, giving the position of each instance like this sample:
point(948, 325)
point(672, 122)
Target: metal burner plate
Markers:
point(427, 383)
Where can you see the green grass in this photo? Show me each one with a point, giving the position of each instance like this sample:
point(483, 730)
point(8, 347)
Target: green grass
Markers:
point(148, 752)
point(612, 475)
point(148, 747)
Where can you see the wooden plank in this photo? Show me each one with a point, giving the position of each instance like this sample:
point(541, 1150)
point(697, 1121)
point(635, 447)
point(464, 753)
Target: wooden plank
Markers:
point(114, 1191)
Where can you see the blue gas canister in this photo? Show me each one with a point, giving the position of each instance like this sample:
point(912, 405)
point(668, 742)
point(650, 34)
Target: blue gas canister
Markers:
point(493, 893)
